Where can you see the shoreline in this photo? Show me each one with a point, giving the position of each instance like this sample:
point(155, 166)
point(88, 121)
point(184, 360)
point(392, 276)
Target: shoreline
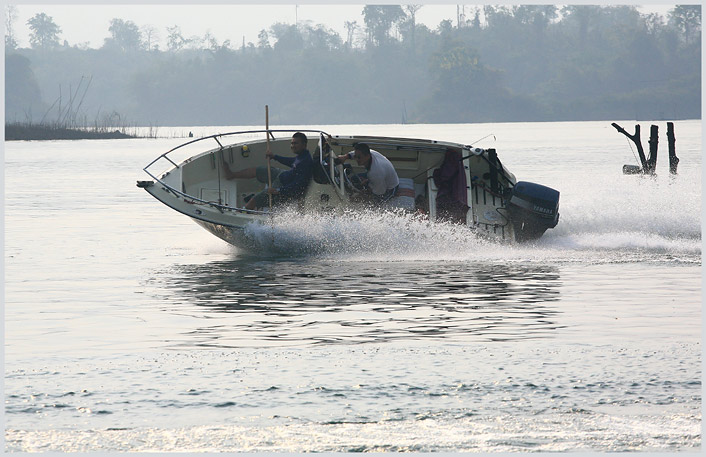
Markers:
point(19, 132)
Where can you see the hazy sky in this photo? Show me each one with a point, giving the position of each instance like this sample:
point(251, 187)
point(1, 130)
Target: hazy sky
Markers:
point(88, 23)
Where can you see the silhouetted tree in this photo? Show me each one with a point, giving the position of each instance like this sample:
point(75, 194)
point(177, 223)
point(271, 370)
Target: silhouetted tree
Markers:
point(287, 37)
point(151, 36)
point(321, 37)
point(464, 85)
point(497, 16)
point(536, 16)
point(653, 23)
point(44, 33)
point(411, 12)
point(584, 16)
point(687, 19)
point(175, 40)
point(351, 26)
point(10, 18)
point(523, 64)
point(445, 28)
point(124, 35)
point(263, 40)
point(195, 42)
point(475, 22)
point(379, 19)
point(22, 93)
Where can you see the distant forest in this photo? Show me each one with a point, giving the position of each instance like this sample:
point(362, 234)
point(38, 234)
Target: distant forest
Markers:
point(494, 64)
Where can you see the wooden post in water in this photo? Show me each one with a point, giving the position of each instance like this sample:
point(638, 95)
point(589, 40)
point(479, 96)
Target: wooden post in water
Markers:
point(631, 169)
point(673, 159)
point(654, 143)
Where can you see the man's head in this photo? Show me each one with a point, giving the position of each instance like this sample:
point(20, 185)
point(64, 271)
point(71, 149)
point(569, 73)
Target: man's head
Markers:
point(298, 143)
point(361, 152)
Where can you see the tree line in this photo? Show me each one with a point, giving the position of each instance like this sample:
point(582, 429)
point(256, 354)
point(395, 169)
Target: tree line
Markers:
point(494, 64)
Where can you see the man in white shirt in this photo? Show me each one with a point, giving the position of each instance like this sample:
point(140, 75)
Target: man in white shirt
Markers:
point(381, 179)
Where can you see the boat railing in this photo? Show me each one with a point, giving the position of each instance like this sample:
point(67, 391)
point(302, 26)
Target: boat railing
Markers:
point(217, 138)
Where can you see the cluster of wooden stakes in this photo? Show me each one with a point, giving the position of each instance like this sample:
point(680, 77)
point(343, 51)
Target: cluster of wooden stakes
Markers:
point(650, 164)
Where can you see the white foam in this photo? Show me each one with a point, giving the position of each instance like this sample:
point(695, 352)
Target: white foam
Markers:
point(404, 237)
point(491, 433)
point(655, 217)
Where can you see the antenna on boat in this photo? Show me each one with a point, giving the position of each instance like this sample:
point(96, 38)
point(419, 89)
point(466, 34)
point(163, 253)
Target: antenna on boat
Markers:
point(490, 134)
point(269, 168)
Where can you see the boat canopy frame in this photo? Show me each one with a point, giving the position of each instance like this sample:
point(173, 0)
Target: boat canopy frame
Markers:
point(222, 208)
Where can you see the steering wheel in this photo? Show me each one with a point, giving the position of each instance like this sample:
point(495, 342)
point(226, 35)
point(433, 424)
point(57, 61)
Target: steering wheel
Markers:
point(353, 181)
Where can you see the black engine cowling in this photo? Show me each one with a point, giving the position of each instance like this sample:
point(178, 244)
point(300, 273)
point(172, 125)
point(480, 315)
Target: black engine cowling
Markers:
point(533, 209)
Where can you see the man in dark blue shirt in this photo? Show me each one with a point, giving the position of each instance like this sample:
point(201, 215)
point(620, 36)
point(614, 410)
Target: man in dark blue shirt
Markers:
point(287, 185)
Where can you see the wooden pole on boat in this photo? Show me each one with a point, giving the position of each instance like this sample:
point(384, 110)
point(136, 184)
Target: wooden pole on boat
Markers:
point(269, 168)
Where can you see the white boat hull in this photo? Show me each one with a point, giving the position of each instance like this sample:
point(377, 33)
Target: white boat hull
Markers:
point(196, 186)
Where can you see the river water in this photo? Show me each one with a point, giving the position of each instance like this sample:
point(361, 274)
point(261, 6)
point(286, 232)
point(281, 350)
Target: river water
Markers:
point(129, 328)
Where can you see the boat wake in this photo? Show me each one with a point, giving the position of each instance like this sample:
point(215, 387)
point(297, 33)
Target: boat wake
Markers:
point(404, 237)
point(611, 219)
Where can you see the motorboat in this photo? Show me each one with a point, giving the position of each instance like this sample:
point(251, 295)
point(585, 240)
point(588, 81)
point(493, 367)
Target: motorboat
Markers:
point(493, 203)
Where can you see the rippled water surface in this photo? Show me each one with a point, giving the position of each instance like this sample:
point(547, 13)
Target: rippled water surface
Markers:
point(129, 328)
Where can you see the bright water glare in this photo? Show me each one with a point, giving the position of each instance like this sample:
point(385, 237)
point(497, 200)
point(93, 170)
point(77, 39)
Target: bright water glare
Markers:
point(131, 329)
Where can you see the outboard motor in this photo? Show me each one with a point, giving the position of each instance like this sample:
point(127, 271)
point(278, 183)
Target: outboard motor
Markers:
point(533, 209)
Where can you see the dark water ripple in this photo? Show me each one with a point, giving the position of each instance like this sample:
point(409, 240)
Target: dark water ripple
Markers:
point(366, 302)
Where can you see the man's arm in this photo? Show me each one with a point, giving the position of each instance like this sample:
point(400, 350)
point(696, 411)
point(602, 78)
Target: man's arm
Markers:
point(288, 161)
point(343, 157)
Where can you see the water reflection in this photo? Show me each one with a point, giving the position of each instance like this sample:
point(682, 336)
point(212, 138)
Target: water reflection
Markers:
point(303, 302)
